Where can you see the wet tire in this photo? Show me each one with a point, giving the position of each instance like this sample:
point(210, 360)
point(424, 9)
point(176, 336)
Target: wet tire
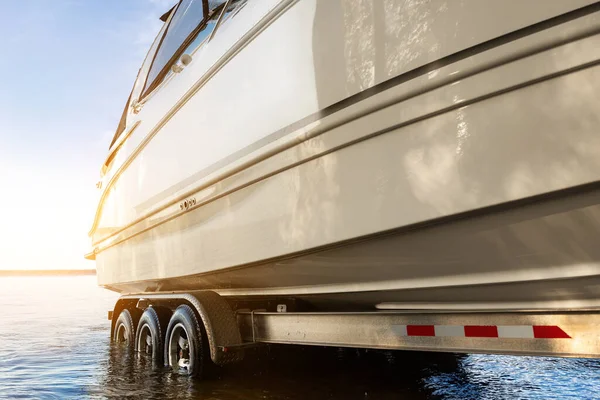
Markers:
point(186, 346)
point(150, 334)
point(124, 329)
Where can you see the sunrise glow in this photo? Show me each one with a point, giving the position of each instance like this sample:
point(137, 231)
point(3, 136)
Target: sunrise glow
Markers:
point(76, 64)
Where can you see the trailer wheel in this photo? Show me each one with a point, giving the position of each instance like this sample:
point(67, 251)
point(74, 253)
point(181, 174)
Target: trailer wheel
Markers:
point(186, 347)
point(124, 329)
point(149, 336)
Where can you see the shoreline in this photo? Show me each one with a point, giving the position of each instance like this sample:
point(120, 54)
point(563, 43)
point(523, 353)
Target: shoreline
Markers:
point(49, 272)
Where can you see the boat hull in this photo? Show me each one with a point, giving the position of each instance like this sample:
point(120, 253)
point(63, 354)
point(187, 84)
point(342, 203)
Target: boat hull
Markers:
point(507, 224)
point(538, 254)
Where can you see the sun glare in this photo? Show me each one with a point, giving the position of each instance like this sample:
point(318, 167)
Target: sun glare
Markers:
point(44, 220)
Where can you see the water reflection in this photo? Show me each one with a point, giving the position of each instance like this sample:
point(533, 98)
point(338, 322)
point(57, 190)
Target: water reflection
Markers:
point(292, 372)
point(287, 372)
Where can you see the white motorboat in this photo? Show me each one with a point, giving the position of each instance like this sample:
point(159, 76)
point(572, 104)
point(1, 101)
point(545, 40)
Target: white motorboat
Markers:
point(356, 154)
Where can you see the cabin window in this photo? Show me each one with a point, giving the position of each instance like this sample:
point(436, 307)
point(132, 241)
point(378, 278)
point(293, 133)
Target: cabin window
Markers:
point(187, 18)
point(203, 35)
point(212, 4)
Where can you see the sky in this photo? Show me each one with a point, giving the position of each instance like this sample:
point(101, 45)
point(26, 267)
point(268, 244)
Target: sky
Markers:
point(66, 69)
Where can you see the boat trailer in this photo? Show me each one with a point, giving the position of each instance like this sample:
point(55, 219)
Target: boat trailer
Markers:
point(537, 333)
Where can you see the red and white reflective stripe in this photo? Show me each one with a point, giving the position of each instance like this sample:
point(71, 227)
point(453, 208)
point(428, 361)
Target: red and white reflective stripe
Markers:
point(484, 331)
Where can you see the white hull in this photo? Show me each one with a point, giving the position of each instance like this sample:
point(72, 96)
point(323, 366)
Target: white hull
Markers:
point(541, 255)
point(412, 194)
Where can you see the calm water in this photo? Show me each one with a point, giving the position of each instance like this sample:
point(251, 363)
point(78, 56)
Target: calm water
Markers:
point(54, 344)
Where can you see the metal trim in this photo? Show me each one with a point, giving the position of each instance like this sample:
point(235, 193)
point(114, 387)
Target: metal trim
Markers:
point(219, 20)
point(117, 145)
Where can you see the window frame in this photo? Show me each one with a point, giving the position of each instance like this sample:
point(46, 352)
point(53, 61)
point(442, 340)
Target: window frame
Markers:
point(160, 77)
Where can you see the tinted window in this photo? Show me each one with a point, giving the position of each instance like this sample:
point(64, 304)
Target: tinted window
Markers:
point(212, 22)
point(187, 17)
point(203, 34)
point(212, 4)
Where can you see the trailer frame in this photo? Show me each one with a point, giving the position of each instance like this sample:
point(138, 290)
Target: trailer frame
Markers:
point(559, 333)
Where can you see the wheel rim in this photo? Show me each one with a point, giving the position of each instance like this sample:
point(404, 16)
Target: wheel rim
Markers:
point(181, 350)
point(122, 336)
point(144, 344)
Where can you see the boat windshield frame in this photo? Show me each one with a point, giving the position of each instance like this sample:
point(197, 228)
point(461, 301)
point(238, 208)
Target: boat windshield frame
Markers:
point(207, 15)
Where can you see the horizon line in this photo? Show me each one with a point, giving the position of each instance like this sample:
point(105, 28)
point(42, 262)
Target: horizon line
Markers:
point(46, 272)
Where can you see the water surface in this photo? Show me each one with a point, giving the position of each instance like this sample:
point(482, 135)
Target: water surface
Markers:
point(54, 344)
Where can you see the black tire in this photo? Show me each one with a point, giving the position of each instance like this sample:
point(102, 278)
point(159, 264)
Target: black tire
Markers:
point(150, 333)
point(124, 329)
point(195, 360)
